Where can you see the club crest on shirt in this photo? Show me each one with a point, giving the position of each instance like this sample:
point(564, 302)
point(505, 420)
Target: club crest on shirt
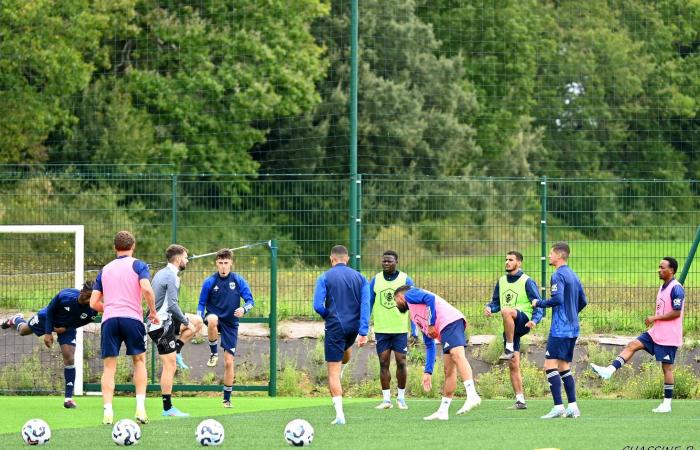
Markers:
point(677, 301)
point(232, 285)
point(554, 287)
point(83, 316)
point(387, 298)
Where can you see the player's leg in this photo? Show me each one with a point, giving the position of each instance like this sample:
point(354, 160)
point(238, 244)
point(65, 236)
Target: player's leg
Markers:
point(516, 381)
point(448, 390)
point(68, 354)
point(165, 343)
point(134, 333)
point(401, 375)
point(509, 315)
point(18, 323)
point(185, 336)
point(551, 370)
point(569, 383)
point(229, 340)
point(213, 334)
point(666, 355)
point(630, 349)
point(335, 351)
point(110, 344)
point(384, 354)
point(347, 354)
point(459, 357)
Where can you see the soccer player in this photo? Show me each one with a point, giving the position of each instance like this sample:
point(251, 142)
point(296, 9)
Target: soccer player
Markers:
point(341, 297)
point(220, 306)
point(567, 301)
point(665, 335)
point(390, 328)
point(117, 294)
point(513, 296)
point(173, 322)
point(67, 311)
point(440, 320)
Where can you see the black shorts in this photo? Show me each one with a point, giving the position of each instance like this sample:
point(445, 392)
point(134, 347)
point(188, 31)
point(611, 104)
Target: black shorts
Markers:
point(165, 337)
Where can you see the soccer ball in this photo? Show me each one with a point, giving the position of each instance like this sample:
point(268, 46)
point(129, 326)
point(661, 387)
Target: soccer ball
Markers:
point(126, 432)
point(209, 433)
point(36, 432)
point(299, 433)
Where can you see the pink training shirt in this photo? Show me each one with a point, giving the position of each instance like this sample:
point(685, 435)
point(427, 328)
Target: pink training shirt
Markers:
point(667, 332)
point(121, 289)
point(419, 300)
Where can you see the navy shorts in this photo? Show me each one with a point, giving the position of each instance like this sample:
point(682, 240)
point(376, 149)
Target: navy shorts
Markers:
point(561, 348)
point(520, 330)
point(336, 341)
point(116, 330)
point(453, 336)
point(37, 323)
point(662, 353)
point(397, 342)
point(229, 336)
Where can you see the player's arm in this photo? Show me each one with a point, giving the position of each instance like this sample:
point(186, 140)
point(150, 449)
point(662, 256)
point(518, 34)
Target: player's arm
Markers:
point(582, 301)
point(141, 268)
point(320, 296)
point(494, 305)
point(364, 309)
point(50, 311)
point(429, 362)
point(204, 296)
point(173, 303)
point(372, 295)
point(533, 293)
point(96, 302)
point(246, 294)
point(557, 291)
point(414, 330)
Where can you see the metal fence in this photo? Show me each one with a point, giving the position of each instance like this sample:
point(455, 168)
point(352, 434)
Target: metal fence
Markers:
point(451, 233)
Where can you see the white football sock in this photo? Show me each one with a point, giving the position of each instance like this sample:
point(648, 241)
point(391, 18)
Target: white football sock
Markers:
point(386, 393)
point(573, 405)
point(338, 405)
point(140, 401)
point(469, 387)
point(520, 398)
point(108, 408)
point(444, 405)
point(402, 394)
point(509, 346)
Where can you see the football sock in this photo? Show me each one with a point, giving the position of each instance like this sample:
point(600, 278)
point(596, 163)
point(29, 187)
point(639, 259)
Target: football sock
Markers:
point(668, 392)
point(212, 347)
point(140, 402)
point(444, 405)
point(17, 322)
point(469, 387)
point(402, 393)
point(567, 378)
point(107, 408)
point(227, 393)
point(520, 398)
point(167, 402)
point(554, 380)
point(509, 346)
point(386, 393)
point(69, 375)
point(178, 345)
point(338, 405)
point(617, 363)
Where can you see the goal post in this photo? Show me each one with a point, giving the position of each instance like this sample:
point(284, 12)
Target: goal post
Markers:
point(78, 232)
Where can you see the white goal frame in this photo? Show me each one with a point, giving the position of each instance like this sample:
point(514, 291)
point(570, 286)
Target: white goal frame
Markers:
point(78, 232)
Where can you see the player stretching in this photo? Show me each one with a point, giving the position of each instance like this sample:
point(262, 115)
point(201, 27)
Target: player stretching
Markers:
point(390, 327)
point(117, 294)
point(67, 311)
point(665, 335)
point(220, 305)
point(440, 320)
point(341, 297)
point(173, 322)
point(513, 296)
point(567, 301)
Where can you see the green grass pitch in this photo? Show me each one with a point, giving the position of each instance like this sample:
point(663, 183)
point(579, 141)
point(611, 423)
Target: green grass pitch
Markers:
point(257, 423)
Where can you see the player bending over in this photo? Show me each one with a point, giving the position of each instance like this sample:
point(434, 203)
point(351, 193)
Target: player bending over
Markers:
point(220, 306)
point(665, 335)
point(440, 320)
point(173, 323)
point(67, 311)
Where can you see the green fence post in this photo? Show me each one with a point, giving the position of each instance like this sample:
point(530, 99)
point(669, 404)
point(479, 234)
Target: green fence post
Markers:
point(691, 256)
point(354, 19)
point(543, 236)
point(358, 231)
point(273, 319)
point(173, 190)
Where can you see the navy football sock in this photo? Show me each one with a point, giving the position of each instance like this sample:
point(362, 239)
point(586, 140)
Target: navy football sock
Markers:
point(212, 347)
point(567, 378)
point(69, 375)
point(554, 380)
point(618, 362)
point(227, 393)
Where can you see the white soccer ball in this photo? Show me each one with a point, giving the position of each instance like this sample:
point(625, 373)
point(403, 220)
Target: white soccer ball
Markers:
point(36, 432)
point(299, 433)
point(126, 432)
point(209, 433)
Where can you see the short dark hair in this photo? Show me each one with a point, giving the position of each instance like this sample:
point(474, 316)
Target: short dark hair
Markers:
point(339, 250)
point(391, 253)
point(562, 248)
point(518, 255)
point(124, 240)
point(88, 286)
point(174, 250)
point(224, 253)
point(402, 289)
point(672, 263)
